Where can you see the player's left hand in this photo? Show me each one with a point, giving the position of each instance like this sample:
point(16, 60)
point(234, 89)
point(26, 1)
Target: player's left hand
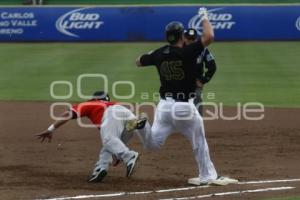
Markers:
point(203, 14)
point(44, 135)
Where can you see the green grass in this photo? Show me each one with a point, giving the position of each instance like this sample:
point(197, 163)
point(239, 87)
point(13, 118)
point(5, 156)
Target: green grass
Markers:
point(266, 72)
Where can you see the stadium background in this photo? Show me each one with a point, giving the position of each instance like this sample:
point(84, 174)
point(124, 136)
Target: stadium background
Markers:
point(109, 2)
point(267, 72)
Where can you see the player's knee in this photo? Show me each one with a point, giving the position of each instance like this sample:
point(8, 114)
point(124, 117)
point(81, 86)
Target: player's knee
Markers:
point(106, 140)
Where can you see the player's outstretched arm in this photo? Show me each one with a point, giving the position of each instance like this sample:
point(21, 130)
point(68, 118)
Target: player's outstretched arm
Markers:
point(208, 31)
point(48, 133)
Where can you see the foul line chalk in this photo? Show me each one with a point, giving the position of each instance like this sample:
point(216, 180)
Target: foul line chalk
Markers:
point(126, 193)
point(89, 196)
point(270, 181)
point(166, 190)
point(233, 193)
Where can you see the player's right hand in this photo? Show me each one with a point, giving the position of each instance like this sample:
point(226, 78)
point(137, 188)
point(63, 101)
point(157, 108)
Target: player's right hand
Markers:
point(44, 135)
point(202, 12)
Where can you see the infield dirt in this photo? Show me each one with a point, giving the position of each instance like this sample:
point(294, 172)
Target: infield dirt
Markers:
point(246, 150)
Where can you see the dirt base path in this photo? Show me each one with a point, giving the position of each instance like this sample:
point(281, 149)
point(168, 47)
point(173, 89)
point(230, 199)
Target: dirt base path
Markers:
point(246, 150)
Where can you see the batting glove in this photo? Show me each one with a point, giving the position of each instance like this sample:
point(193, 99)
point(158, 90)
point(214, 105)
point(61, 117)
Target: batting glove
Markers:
point(202, 12)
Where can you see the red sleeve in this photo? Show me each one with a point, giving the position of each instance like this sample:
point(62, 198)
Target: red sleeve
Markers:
point(75, 108)
point(75, 112)
point(79, 109)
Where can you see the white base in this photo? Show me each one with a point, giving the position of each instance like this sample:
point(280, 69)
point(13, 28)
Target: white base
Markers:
point(221, 181)
point(224, 181)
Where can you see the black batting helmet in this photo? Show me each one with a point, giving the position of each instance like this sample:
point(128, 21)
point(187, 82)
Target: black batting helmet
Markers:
point(174, 31)
point(101, 95)
point(191, 34)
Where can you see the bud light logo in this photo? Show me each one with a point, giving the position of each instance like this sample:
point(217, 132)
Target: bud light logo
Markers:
point(219, 20)
point(298, 23)
point(78, 20)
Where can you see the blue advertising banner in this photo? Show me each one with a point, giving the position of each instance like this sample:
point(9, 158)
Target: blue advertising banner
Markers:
point(145, 23)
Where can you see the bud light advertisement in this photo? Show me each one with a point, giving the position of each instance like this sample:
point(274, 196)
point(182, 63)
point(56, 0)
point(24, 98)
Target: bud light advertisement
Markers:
point(78, 21)
point(145, 23)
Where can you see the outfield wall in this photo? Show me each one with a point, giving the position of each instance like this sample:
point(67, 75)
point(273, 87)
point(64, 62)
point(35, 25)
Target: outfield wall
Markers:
point(145, 23)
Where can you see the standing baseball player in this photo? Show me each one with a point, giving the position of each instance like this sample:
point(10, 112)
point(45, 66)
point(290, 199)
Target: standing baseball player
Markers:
point(176, 110)
point(113, 121)
point(205, 67)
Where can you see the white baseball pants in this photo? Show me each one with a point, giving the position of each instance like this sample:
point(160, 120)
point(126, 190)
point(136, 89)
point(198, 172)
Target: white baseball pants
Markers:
point(112, 128)
point(184, 117)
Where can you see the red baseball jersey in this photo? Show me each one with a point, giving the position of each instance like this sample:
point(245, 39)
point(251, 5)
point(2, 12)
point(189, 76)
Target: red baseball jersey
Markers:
point(92, 109)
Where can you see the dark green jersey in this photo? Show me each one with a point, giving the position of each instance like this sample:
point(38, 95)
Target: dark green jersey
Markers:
point(176, 69)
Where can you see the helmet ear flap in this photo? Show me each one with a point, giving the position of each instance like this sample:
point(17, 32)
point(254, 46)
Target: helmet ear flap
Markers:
point(171, 38)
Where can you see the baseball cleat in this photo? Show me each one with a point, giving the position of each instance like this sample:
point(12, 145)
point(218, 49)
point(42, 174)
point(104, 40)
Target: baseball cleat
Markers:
point(130, 125)
point(141, 123)
point(197, 181)
point(222, 180)
point(98, 175)
point(131, 164)
point(136, 123)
